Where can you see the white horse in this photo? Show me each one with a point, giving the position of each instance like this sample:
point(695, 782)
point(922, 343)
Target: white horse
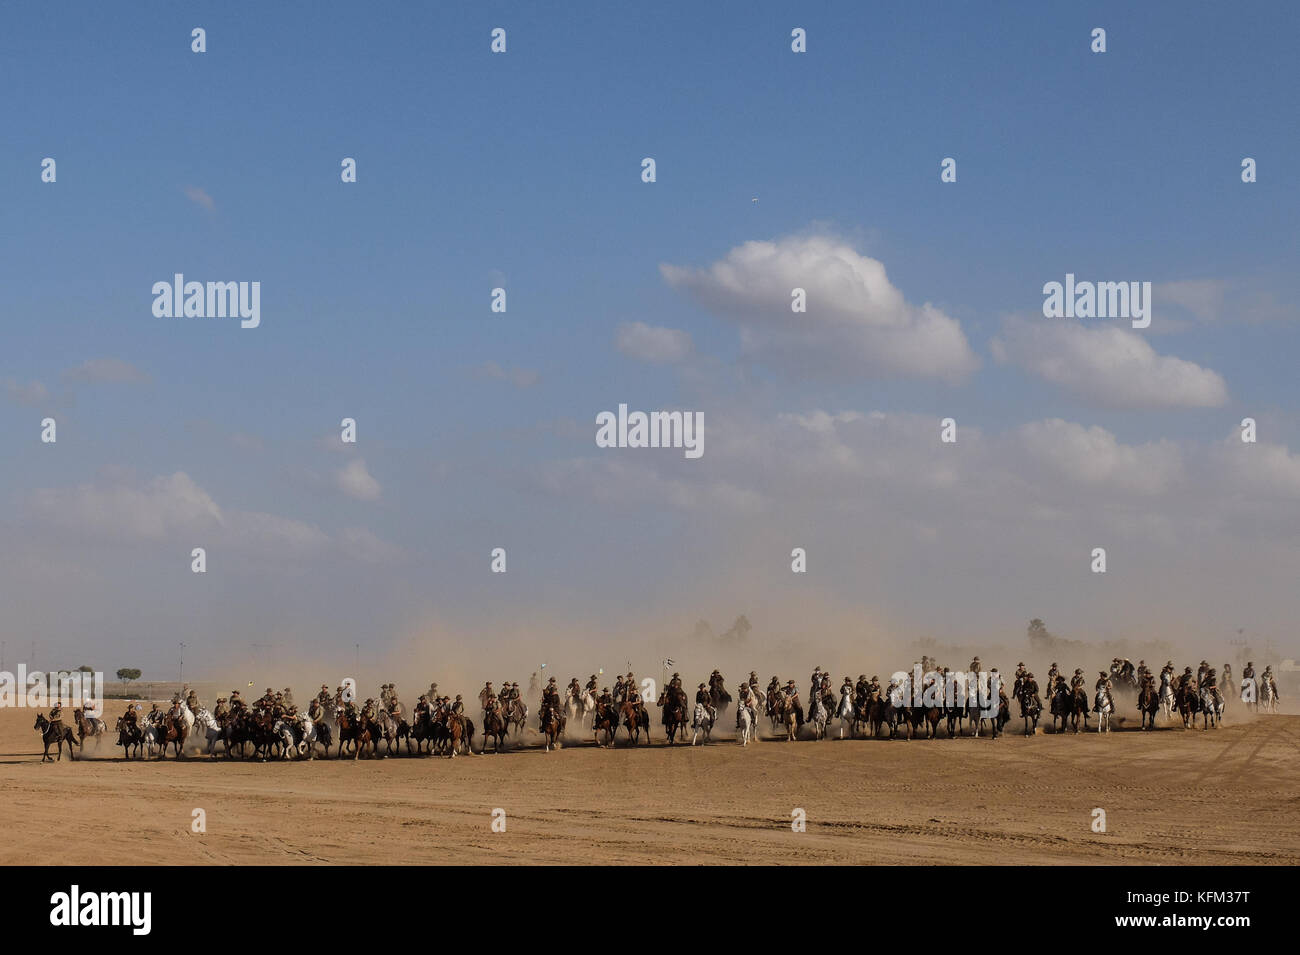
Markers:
point(285, 732)
point(1267, 698)
point(845, 712)
point(746, 723)
point(149, 736)
point(817, 717)
point(1103, 707)
point(307, 743)
point(1212, 706)
point(701, 723)
point(580, 707)
point(1166, 697)
point(211, 731)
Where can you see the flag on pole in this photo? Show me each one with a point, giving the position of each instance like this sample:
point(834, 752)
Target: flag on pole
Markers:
point(669, 662)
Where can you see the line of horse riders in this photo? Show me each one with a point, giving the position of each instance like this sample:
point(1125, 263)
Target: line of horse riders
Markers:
point(274, 727)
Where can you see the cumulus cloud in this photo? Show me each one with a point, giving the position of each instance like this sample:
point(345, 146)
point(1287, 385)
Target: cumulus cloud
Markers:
point(106, 371)
point(856, 320)
point(1106, 365)
point(355, 480)
point(653, 343)
point(1094, 456)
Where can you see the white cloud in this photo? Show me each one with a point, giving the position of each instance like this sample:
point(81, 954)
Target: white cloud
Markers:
point(31, 393)
point(519, 377)
point(199, 196)
point(1106, 365)
point(1093, 456)
point(653, 343)
point(356, 481)
point(856, 320)
point(106, 371)
point(166, 506)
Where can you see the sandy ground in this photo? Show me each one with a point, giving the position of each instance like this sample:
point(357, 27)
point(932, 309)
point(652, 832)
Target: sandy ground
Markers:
point(1227, 796)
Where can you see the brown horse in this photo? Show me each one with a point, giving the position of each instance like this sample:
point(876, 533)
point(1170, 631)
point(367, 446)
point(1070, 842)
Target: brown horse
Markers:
point(1148, 705)
point(52, 734)
point(635, 718)
point(174, 733)
point(128, 736)
point(552, 724)
point(674, 717)
point(495, 726)
point(604, 719)
point(456, 727)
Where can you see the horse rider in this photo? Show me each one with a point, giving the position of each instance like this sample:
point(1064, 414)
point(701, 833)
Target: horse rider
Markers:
point(1227, 674)
point(1249, 672)
point(620, 690)
point(606, 698)
point(1187, 679)
point(1020, 679)
point(222, 710)
point(1201, 671)
point(237, 703)
point(131, 716)
point(155, 715)
point(1052, 672)
point(703, 696)
point(288, 698)
point(458, 707)
point(1211, 683)
point(1002, 687)
point(1103, 683)
point(1029, 686)
point(592, 684)
point(976, 666)
point(487, 697)
point(792, 700)
point(56, 720)
point(1077, 680)
point(1272, 683)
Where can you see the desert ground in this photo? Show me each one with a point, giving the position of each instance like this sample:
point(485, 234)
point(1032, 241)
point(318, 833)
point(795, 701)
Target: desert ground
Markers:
point(1226, 796)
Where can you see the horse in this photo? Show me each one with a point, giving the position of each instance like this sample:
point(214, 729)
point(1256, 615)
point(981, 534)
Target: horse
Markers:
point(284, 733)
point(1148, 706)
point(1103, 706)
point(1188, 702)
point(580, 705)
point(494, 728)
point(456, 735)
point(1267, 696)
point(817, 717)
point(846, 712)
point(745, 722)
point(149, 736)
point(174, 734)
point(1030, 708)
point(605, 719)
point(1166, 697)
point(636, 719)
point(211, 731)
point(701, 723)
point(517, 716)
point(674, 714)
point(895, 713)
point(49, 734)
point(1062, 706)
point(88, 726)
point(788, 718)
point(552, 726)
point(1211, 707)
point(128, 735)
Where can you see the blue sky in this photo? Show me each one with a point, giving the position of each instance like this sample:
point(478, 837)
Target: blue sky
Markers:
point(523, 171)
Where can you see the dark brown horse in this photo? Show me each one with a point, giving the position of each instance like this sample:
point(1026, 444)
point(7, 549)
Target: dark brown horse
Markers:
point(50, 733)
point(1148, 705)
point(674, 715)
point(495, 726)
point(552, 725)
point(604, 720)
